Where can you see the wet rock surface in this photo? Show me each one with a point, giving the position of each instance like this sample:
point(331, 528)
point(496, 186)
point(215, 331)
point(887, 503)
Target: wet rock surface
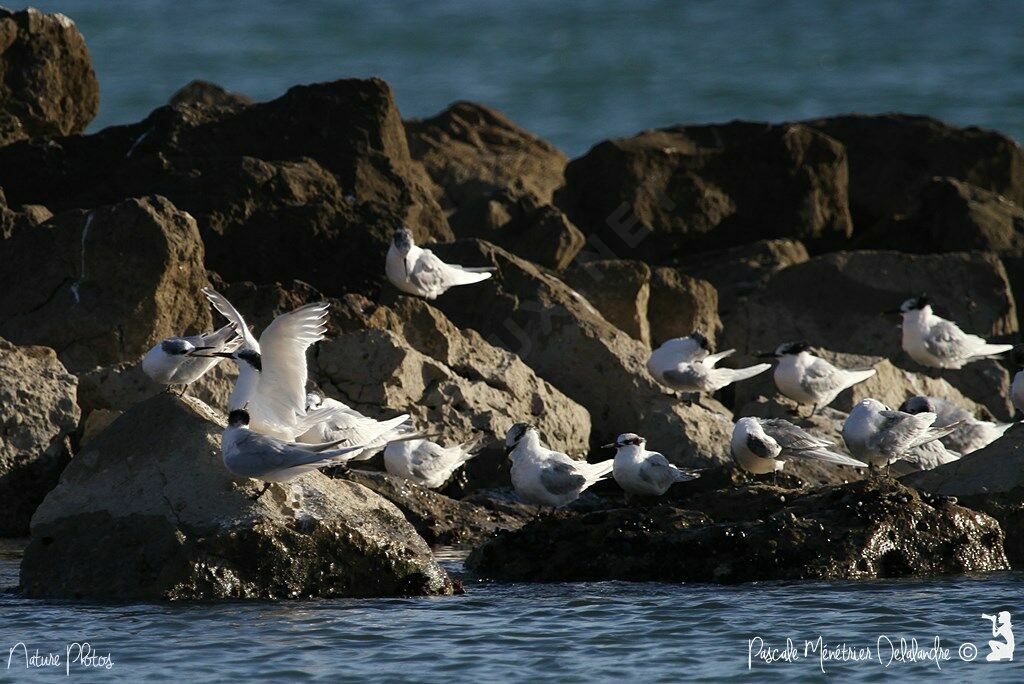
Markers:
point(38, 414)
point(874, 528)
point(153, 483)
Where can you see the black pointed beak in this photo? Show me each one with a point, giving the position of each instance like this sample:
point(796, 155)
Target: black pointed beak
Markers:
point(613, 445)
point(767, 355)
point(223, 355)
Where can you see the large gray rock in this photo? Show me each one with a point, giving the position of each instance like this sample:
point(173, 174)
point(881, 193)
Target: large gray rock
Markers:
point(567, 342)
point(409, 358)
point(620, 290)
point(104, 286)
point(149, 512)
point(37, 414)
point(868, 529)
point(654, 194)
point(680, 304)
point(47, 83)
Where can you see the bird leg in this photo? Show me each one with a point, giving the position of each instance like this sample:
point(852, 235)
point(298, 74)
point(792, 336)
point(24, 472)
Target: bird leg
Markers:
point(184, 388)
point(814, 410)
point(266, 486)
point(695, 399)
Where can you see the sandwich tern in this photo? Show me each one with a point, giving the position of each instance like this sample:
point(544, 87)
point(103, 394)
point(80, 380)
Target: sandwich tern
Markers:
point(937, 343)
point(808, 379)
point(420, 272)
point(642, 472)
point(973, 434)
point(545, 477)
point(763, 445)
point(175, 360)
point(351, 427)
point(426, 463)
point(875, 433)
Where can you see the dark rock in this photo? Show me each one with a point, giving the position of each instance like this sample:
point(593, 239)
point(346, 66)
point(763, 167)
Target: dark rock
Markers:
point(47, 83)
point(893, 157)
point(311, 183)
point(652, 195)
point(199, 93)
point(436, 517)
point(680, 304)
point(471, 150)
point(153, 483)
point(537, 317)
point(620, 290)
point(104, 286)
point(990, 480)
point(521, 223)
point(38, 413)
point(867, 529)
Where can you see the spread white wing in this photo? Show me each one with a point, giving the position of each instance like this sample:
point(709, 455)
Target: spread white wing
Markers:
point(282, 389)
point(221, 303)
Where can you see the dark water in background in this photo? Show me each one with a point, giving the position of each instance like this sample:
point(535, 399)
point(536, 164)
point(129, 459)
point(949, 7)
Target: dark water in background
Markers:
point(577, 71)
point(607, 631)
point(574, 72)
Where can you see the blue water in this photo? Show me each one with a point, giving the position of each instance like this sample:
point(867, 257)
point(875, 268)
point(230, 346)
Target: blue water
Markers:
point(607, 631)
point(577, 71)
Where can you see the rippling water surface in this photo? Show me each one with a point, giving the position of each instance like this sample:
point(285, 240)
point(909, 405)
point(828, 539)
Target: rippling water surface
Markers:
point(577, 71)
point(561, 632)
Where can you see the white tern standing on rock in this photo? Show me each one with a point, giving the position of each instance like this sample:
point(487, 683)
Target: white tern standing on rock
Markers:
point(763, 445)
point(937, 343)
point(272, 371)
point(973, 434)
point(426, 463)
point(262, 457)
point(351, 427)
point(545, 477)
point(642, 472)
point(684, 365)
point(808, 379)
point(174, 361)
point(419, 272)
point(875, 433)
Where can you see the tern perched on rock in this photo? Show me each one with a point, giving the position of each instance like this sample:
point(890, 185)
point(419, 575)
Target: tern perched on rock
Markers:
point(937, 343)
point(973, 434)
point(351, 427)
point(426, 463)
point(262, 457)
point(642, 472)
point(545, 477)
point(684, 364)
point(272, 371)
point(763, 445)
point(1017, 391)
point(875, 433)
point(419, 272)
point(678, 351)
point(174, 361)
point(808, 379)
point(930, 455)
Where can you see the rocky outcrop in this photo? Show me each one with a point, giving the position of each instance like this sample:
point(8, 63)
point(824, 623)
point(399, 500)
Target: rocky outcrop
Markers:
point(199, 93)
point(103, 286)
point(893, 157)
point(663, 190)
point(311, 183)
point(409, 358)
point(990, 480)
point(47, 83)
point(153, 482)
point(37, 415)
point(620, 290)
point(567, 342)
point(680, 304)
point(436, 517)
point(868, 529)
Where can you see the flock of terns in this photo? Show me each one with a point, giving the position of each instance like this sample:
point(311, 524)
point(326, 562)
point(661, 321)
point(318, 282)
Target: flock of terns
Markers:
point(277, 431)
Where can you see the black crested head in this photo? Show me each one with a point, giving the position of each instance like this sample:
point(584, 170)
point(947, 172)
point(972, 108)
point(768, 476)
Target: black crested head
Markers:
point(175, 346)
point(793, 348)
point(915, 303)
point(238, 417)
point(917, 405)
point(629, 439)
point(251, 357)
point(701, 339)
point(402, 239)
point(517, 432)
